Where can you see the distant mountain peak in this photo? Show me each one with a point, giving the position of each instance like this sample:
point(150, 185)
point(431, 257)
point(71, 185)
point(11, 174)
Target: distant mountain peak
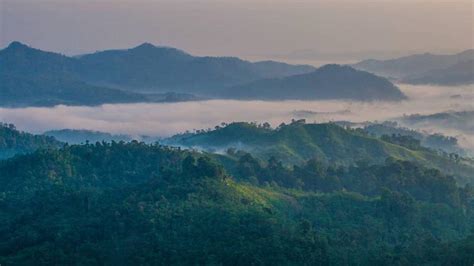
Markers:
point(145, 45)
point(15, 45)
point(331, 67)
point(469, 52)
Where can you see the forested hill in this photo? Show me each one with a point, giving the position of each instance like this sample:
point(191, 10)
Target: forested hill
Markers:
point(132, 203)
point(329, 143)
point(14, 142)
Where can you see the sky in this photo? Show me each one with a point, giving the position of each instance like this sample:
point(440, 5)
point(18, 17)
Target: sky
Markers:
point(295, 30)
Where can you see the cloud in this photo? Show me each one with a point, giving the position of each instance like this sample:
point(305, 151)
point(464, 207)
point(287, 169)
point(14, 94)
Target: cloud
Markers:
point(171, 118)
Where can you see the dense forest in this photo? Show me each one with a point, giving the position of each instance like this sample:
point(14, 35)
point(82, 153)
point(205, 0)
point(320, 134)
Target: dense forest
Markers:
point(14, 142)
point(135, 203)
point(298, 141)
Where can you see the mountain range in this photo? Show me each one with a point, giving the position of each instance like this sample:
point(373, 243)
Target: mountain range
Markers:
point(427, 68)
point(147, 73)
point(461, 73)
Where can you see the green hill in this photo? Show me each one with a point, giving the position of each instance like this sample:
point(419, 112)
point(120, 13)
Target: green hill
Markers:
point(329, 143)
point(128, 204)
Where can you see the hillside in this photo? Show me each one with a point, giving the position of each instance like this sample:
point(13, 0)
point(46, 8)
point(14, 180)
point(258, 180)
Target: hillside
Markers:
point(420, 65)
point(13, 142)
point(132, 203)
point(327, 82)
point(49, 91)
point(30, 77)
point(329, 143)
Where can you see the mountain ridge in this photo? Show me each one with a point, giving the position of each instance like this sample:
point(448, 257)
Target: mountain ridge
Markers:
point(34, 77)
point(406, 67)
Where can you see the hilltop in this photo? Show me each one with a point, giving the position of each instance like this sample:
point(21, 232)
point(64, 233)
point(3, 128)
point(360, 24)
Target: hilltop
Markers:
point(329, 143)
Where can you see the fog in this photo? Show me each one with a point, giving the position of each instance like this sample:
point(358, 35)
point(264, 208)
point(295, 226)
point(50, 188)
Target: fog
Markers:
point(165, 119)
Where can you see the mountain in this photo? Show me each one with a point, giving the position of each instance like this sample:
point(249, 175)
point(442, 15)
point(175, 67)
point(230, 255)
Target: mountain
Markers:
point(419, 65)
point(151, 68)
point(461, 73)
point(21, 91)
point(31, 77)
point(148, 73)
point(327, 82)
point(131, 203)
point(13, 142)
point(329, 143)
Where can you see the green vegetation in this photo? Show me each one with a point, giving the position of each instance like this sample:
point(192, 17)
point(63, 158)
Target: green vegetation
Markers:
point(438, 142)
point(14, 142)
point(132, 203)
point(298, 142)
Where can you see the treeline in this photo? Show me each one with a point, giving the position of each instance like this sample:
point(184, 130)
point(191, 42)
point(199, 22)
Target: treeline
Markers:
point(418, 182)
point(14, 142)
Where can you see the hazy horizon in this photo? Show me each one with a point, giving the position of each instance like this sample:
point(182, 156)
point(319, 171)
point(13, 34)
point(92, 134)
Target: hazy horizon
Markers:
point(322, 31)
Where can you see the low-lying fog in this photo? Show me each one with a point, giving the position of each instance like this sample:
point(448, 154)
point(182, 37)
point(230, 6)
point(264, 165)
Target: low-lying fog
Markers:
point(165, 119)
